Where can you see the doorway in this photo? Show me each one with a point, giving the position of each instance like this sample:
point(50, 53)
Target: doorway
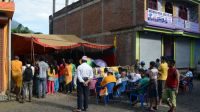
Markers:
point(168, 47)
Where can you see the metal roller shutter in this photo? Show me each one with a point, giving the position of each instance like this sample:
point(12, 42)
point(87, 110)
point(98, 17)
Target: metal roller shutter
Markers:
point(197, 51)
point(150, 47)
point(182, 52)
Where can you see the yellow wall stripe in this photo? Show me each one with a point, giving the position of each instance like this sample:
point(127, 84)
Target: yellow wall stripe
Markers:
point(174, 48)
point(137, 47)
point(162, 46)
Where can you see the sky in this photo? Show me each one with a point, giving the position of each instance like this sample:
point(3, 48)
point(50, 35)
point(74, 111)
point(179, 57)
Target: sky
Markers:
point(34, 14)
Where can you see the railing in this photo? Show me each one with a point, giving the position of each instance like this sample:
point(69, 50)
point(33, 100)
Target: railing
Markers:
point(166, 20)
point(185, 25)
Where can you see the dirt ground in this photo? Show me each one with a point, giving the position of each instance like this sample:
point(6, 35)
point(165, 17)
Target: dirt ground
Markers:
point(186, 102)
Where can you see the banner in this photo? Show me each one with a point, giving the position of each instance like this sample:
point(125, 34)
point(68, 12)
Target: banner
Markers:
point(166, 20)
point(159, 17)
point(179, 23)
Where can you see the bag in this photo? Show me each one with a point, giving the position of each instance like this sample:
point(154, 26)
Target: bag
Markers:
point(28, 74)
point(103, 92)
point(37, 70)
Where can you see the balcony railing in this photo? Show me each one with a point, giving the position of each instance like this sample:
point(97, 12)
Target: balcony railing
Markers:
point(166, 20)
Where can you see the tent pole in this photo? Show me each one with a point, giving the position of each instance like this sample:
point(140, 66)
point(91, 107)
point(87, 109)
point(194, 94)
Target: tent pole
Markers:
point(83, 50)
point(44, 49)
point(31, 48)
point(71, 53)
point(33, 54)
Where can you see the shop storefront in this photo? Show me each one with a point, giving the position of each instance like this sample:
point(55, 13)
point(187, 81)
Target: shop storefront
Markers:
point(150, 46)
point(170, 36)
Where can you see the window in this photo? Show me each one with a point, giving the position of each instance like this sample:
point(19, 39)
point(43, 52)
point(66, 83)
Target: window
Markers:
point(169, 7)
point(183, 12)
point(152, 4)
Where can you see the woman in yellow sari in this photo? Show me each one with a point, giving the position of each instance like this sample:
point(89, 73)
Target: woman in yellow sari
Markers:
point(68, 77)
point(16, 66)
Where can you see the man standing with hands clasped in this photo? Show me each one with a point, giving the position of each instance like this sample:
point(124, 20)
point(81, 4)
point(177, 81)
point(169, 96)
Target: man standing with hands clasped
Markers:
point(84, 76)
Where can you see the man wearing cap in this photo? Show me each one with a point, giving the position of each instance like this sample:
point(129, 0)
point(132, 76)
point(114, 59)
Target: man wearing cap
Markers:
point(142, 63)
point(84, 75)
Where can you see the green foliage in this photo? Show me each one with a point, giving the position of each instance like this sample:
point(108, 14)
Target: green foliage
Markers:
point(38, 33)
point(21, 29)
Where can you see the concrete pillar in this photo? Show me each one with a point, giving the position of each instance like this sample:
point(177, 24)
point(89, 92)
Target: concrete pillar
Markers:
point(9, 56)
point(102, 16)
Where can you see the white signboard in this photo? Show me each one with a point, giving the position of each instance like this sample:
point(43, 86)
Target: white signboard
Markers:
point(159, 17)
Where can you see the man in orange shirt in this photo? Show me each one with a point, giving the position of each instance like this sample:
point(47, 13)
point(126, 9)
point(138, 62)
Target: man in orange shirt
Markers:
point(109, 78)
point(17, 75)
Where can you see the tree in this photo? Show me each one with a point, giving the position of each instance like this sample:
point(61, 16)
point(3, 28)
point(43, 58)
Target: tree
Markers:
point(38, 33)
point(26, 30)
point(21, 29)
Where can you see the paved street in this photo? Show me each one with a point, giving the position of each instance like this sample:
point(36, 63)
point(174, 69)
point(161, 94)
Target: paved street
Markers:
point(66, 103)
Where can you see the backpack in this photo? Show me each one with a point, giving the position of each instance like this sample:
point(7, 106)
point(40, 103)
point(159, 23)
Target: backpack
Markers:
point(28, 74)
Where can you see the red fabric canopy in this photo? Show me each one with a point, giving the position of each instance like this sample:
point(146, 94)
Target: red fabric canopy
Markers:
point(26, 43)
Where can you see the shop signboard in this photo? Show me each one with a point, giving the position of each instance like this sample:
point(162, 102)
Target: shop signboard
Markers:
point(187, 25)
point(194, 27)
point(178, 23)
point(158, 18)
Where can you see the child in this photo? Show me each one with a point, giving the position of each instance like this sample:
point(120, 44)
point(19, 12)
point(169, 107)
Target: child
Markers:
point(153, 92)
point(68, 77)
point(56, 80)
point(51, 77)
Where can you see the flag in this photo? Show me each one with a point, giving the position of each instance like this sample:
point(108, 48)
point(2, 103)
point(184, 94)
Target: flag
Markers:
point(115, 48)
point(115, 42)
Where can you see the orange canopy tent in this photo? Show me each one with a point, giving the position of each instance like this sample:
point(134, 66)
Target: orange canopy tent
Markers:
point(40, 43)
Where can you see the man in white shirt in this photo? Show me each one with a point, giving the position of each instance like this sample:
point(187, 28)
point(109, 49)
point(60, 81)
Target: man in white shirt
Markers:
point(28, 73)
point(123, 77)
point(134, 77)
point(84, 76)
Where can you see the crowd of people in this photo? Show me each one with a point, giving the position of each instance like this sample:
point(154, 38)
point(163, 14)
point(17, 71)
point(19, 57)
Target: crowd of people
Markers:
point(161, 80)
point(42, 77)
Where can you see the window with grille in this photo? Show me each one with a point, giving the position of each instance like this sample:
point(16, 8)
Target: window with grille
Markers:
point(183, 12)
point(152, 4)
point(169, 7)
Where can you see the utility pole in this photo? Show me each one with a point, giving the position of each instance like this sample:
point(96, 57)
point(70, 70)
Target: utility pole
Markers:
point(66, 3)
point(52, 19)
point(81, 18)
point(54, 6)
